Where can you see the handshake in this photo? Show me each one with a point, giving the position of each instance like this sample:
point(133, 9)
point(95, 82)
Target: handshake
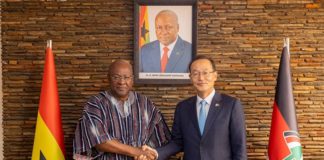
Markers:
point(146, 153)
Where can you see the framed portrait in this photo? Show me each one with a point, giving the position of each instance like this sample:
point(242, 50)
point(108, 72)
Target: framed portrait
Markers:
point(165, 34)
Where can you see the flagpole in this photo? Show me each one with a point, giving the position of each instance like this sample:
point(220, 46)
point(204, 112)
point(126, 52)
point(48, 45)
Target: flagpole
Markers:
point(288, 45)
point(49, 138)
point(49, 44)
point(284, 121)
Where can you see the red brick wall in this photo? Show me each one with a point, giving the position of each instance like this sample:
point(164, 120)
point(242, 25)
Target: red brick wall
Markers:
point(244, 37)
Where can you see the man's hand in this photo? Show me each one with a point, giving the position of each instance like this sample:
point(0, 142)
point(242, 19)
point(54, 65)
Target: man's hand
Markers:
point(149, 154)
point(144, 154)
point(152, 152)
point(141, 157)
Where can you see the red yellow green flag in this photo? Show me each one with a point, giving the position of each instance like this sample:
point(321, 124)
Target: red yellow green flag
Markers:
point(144, 26)
point(284, 141)
point(48, 142)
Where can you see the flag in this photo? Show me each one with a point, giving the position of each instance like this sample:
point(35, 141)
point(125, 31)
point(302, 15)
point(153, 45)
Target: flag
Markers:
point(284, 141)
point(144, 26)
point(48, 142)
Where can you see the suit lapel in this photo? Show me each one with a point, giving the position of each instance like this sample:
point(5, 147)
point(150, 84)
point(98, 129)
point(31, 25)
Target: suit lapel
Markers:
point(214, 109)
point(175, 56)
point(156, 62)
point(193, 113)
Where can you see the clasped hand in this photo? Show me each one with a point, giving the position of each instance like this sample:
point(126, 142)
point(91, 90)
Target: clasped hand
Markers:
point(147, 153)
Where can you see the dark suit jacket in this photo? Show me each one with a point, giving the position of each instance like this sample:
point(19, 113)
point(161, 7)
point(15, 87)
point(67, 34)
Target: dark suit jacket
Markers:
point(224, 136)
point(150, 58)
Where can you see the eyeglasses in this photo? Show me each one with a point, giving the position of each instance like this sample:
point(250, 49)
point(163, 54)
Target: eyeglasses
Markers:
point(119, 78)
point(167, 28)
point(204, 74)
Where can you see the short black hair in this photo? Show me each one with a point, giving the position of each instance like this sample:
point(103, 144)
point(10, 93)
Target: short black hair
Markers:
point(203, 57)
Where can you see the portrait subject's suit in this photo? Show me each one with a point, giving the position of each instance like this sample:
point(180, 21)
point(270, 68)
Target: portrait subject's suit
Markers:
point(224, 136)
point(181, 55)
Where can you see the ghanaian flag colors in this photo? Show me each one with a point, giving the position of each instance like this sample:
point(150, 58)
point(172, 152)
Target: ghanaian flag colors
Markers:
point(48, 142)
point(144, 26)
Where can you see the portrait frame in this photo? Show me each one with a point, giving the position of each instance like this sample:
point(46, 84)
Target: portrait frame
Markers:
point(146, 11)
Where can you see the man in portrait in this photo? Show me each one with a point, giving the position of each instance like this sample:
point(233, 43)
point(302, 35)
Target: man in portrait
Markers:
point(169, 53)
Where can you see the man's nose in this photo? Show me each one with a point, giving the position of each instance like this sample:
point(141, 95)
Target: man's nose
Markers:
point(164, 32)
point(201, 76)
point(122, 81)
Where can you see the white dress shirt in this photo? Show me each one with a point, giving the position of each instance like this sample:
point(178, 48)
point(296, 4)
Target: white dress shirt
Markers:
point(208, 99)
point(170, 47)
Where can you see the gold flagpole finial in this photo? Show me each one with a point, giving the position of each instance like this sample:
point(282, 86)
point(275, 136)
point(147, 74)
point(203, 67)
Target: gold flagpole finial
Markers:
point(49, 44)
point(286, 43)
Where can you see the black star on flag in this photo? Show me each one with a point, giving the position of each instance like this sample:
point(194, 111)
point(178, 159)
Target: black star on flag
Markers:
point(144, 31)
point(41, 156)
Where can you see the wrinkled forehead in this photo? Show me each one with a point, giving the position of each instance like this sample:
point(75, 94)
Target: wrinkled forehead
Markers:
point(121, 68)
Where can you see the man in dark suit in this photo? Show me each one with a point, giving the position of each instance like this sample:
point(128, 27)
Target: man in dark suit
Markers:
point(210, 125)
point(169, 53)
